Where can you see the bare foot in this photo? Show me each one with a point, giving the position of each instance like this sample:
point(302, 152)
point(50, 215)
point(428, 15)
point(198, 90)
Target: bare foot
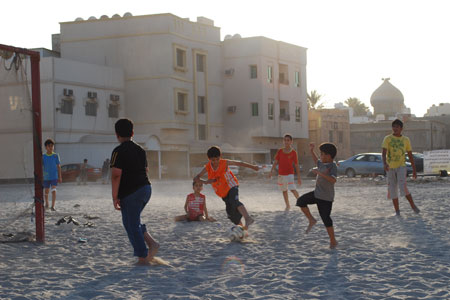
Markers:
point(152, 251)
point(142, 261)
point(310, 226)
point(333, 245)
point(248, 222)
point(287, 208)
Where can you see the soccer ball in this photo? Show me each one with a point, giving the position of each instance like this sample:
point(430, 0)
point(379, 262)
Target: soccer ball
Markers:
point(236, 233)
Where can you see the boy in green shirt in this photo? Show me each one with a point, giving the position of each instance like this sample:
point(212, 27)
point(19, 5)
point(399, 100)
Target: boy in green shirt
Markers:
point(394, 147)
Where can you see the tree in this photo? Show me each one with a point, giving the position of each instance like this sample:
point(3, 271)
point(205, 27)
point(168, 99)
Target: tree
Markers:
point(313, 100)
point(359, 108)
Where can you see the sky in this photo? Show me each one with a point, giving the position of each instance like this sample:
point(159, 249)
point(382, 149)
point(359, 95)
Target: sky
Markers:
point(352, 44)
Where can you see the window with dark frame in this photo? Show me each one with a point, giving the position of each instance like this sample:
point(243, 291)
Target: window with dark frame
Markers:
point(255, 112)
point(201, 63)
point(91, 108)
point(253, 72)
point(67, 106)
point(201, 104)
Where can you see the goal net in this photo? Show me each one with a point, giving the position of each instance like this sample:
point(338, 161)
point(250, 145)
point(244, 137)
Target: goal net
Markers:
point(21, 215)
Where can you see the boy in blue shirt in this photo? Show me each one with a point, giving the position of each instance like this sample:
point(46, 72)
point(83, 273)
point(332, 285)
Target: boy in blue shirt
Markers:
point(323, 194)
point(52, 172)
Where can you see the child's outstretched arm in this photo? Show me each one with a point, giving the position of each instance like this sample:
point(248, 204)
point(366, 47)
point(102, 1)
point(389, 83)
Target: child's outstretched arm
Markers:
point(202, 172)
point(327, 177)
point(313, 154)
point(242, 164)
point(274, 165)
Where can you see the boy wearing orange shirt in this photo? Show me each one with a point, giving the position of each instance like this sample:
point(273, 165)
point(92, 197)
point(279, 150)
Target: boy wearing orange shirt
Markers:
point(286, 159)
point(225, 184)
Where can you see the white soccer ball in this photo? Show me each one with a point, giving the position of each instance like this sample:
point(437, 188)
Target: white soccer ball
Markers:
point(236, 233)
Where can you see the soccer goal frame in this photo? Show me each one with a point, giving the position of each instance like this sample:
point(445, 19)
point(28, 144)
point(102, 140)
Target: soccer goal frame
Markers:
point(37, 135)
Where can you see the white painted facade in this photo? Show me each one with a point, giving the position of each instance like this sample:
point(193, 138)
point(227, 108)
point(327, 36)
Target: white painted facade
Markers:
point(70, 131)
point(169, 76)
point(438, 110)
point(276, 89)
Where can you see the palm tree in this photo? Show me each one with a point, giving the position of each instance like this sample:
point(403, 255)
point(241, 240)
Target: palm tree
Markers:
point(313, 100)
point(359, 108)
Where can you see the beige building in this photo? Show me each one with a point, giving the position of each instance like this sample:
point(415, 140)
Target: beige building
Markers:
point(182, 86)
point(424, 135)
point(331, 125)
point(264, 94)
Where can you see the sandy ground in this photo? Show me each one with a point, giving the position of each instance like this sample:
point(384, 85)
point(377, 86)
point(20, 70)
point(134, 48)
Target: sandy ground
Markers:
point(380, 256)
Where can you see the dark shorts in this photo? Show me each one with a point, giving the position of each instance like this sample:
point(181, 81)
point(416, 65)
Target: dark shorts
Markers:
point(48, 183)
point(323, 206)
point(232, 203)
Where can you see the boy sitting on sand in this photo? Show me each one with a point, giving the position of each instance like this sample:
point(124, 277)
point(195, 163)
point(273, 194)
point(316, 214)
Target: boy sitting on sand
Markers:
point(323, 195)
point(195, 206)
point(225, 184)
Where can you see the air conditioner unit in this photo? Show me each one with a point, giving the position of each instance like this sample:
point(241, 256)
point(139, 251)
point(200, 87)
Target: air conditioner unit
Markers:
point(68, 92)
point(231, 109)
point(92, 95)
point(114, 97)
point(229, 72)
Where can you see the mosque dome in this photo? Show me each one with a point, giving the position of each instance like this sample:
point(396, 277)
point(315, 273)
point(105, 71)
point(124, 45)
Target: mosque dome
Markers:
point(387, 99)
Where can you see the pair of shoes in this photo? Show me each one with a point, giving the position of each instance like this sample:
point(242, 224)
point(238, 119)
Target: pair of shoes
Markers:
point(53, 209)
point(416, 209)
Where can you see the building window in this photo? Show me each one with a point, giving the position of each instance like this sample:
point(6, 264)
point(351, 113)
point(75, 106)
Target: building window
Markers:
point(67, 106)
point(335, 125)
point(91, 108)
point(284, 74)
point(113, 110)
point(254, 109)
point(201, 63)
point(253, 72)
point(270, 111)
point(297, 78)
point(179, 58)
point(201, 104)
point(202, 132)
point(330, 136)
point(284, 110)
point(298, 113)
point(269, 74)
point(181, 102)
point(340, 137)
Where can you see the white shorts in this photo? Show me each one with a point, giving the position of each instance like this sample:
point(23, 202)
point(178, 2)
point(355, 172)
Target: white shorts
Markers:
point(396, 180)
point(286, 182)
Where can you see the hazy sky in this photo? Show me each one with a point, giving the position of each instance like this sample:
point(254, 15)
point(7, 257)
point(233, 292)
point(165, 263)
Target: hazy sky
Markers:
point(352, 44)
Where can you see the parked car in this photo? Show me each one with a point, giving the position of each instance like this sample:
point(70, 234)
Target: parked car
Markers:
point(418, 160)
point(364, 164)
point(70, 172)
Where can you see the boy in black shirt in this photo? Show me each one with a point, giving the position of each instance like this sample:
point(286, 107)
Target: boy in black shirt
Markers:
point(131, 190)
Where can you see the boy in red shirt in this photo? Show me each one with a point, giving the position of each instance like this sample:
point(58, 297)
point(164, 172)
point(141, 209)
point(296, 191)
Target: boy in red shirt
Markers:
point(195, 206)
point(286, 158)
point(225, 184)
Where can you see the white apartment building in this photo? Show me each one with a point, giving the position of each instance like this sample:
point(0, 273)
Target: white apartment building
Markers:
point(173, 79)
point(183, 87)
point(438, 110)
point(80, 103)
point(264, 92)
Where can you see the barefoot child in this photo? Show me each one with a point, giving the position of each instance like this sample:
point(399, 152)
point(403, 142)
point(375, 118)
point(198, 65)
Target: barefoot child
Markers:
point(225, 184)
point(395, 146)
point(286, 159)
point(131, 190)
point(323, 195)
point(195, 206)
point(52, 172)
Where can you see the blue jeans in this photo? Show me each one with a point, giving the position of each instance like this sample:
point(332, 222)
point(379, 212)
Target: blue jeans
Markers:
point(131, 208)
